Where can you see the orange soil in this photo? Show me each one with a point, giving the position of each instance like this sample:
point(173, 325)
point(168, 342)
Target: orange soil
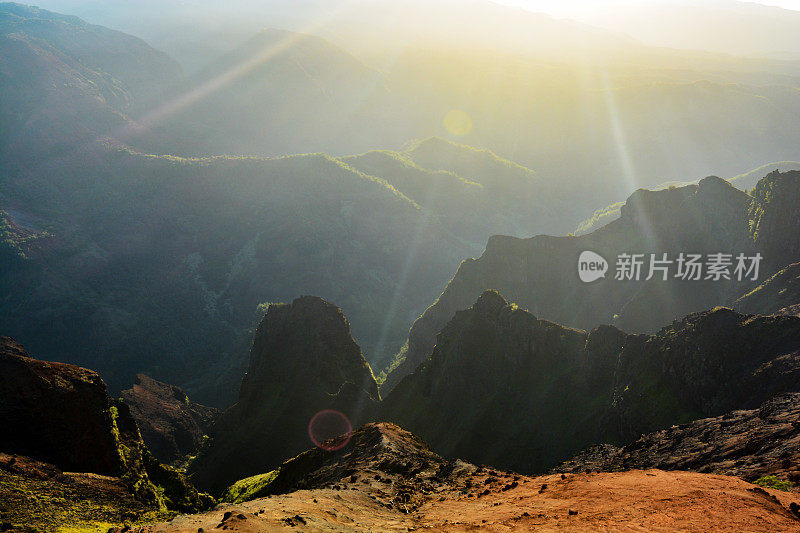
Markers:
point(637, 500)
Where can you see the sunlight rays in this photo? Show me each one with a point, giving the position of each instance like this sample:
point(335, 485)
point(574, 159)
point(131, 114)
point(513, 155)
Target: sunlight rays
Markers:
point(236, 71)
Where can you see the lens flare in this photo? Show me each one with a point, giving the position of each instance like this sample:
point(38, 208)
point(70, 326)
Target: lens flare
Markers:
point(458, 122)
point(330, 430)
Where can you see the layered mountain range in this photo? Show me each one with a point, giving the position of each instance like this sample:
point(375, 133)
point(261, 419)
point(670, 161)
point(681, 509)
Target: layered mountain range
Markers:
point(91, 223)
point(151, 222)
point(500, 386)
point(503, 387)
point(541, 273)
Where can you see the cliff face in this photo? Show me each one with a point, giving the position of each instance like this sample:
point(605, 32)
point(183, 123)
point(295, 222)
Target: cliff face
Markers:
point(503, 387)
point(775, 215)
point(62, 414)
point(171, 425)
point(778, 295)
point(541, 275)
point(746, 443)
point(703, 365)
point(57, 413)
point(303, 362)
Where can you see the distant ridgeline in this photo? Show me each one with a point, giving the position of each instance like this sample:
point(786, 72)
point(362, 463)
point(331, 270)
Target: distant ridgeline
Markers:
point(746, 182)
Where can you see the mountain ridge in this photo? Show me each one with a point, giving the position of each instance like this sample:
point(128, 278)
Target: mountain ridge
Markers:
point(571, 386)
point(531, 271)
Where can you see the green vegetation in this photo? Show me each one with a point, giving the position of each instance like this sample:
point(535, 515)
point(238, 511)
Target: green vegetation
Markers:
point(80, 502)
point(248, 488)
point(599, 218)
point(772, 482)
point(15, 240)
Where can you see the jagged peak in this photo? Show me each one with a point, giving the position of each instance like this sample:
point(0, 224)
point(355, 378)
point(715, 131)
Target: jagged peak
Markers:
point(714, 185)
point(774, 177)
point(490, 302)
point(308, 308)
point(713, 180)
point(316, 332)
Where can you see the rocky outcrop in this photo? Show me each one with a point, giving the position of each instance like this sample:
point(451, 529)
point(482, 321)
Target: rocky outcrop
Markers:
point(779, 295)
point(9, 346)
point(746, 443)
point(378, 451)
point(171, 425)
point(303, 362)
point(62, 414)
point(703, 365)
point(503, 387)
point(57, 413)
point(775, 218)
point(541, 273)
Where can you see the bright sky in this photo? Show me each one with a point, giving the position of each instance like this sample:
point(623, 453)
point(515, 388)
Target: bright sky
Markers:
point(566, 7)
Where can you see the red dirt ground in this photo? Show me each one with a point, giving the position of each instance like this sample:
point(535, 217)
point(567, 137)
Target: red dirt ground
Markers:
point(637, 500)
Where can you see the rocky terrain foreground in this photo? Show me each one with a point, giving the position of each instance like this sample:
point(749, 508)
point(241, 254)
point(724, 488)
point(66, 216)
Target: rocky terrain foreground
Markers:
point(746, 443)
point(72, 457)
point(385, 479)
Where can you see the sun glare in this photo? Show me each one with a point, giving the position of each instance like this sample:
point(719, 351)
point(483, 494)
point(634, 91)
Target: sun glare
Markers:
point(458, 122)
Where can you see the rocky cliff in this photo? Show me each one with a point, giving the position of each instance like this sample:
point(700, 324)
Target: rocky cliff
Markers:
point(703, 365)
point(62, 414)
point(57, 413)
point(303, 362)
point(541, 274)
point(775, 218)
point(745, 443)
point(171, 425)
point(506, 388)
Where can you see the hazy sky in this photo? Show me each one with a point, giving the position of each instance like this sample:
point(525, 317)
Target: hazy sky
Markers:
point(566, 7)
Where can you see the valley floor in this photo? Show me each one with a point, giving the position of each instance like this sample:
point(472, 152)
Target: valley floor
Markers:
point(637, 500)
